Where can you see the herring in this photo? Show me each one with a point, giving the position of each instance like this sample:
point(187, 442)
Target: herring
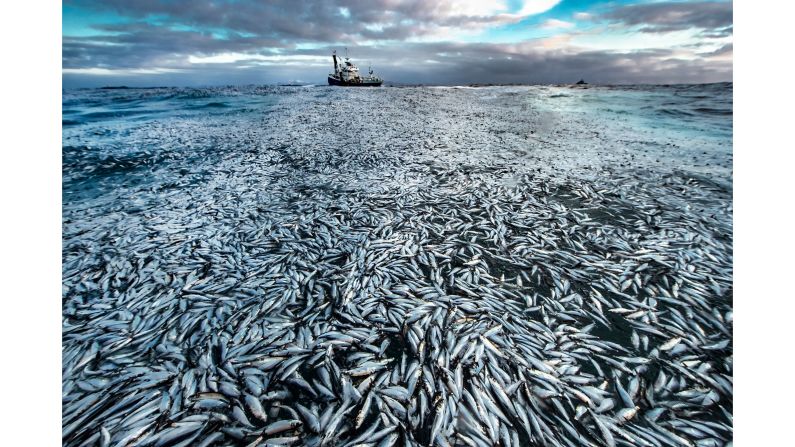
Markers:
point(281, 282)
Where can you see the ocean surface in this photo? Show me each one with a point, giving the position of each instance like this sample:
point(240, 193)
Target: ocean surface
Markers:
point(312, 265)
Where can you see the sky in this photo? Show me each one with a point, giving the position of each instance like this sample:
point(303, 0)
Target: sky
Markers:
point(435, 42)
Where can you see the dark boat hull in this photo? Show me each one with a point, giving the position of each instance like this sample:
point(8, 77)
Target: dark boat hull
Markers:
point(334, 81)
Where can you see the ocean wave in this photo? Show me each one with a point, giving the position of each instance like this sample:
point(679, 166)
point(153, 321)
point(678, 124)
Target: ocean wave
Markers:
point(84, 161)
point(675, 112)
point(713, 111)
point(209, 105)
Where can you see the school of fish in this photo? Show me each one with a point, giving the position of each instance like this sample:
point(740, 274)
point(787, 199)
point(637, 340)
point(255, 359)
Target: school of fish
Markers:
point(394, 267)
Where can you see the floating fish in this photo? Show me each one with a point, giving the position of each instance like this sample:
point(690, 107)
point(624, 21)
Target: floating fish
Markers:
point(448, 271)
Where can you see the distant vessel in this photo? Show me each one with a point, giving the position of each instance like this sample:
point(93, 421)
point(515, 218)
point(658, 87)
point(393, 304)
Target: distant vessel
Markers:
point(347, 74)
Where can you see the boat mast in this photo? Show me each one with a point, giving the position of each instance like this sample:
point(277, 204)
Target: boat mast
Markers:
point(334, 56)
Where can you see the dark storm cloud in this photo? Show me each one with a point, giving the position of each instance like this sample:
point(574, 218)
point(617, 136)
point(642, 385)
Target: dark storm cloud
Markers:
point(144, 45)
point(300, 20)
point(674, 16)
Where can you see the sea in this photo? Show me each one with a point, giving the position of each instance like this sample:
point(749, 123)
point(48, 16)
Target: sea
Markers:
point(449, 265)
point(112, 137)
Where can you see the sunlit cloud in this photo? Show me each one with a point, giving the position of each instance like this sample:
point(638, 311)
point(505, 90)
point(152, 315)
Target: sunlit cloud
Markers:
point(229, 58)
point(98, 71)
point(555, 24)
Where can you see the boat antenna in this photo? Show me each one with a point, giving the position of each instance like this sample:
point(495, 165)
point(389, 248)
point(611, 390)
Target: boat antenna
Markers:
point(346, 52)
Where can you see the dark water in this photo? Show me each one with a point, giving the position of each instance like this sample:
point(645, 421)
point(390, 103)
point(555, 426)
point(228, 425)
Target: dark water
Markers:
point(206, 227)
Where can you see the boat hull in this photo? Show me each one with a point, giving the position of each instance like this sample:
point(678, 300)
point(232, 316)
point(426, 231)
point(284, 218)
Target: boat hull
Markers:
point(364, 83)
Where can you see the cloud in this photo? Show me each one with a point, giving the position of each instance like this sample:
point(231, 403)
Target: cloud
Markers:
point(555, 24)
point(230, 58)
point(532, 7)
point(330, 20)
point(725, 53)
point(535, 61)
point(726, 49)
point(718, 33)
point(674, 16)
point(95, 71)
point(413, 41)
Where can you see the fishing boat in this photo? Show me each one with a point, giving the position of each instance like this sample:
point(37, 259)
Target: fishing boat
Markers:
point(346, 74)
